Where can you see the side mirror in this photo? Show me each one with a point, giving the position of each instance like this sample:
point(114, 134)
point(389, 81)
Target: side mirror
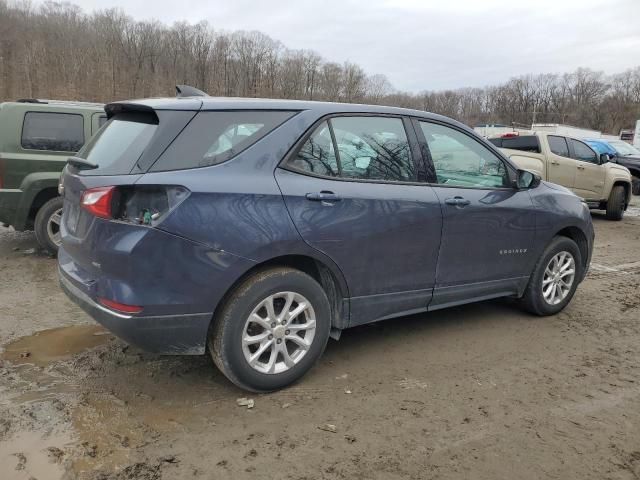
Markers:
point(527, 179)
point(605, 158)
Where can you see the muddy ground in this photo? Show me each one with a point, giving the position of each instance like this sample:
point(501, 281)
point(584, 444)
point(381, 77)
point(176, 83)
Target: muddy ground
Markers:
point(482, 391)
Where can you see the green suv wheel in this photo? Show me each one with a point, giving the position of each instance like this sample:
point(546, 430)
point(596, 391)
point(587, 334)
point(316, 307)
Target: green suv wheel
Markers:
point(47, 225)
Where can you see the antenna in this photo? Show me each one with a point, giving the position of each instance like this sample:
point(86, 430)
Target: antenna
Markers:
point(188, 91)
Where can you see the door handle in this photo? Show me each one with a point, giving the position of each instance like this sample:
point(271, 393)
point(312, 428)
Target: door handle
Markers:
point(323, 196)
point(457, 201)
point(555, 163)
point(580, 167)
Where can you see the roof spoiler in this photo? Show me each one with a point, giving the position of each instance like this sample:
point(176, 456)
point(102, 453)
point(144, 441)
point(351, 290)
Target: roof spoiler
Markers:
point(188, 91)
point(127, 107)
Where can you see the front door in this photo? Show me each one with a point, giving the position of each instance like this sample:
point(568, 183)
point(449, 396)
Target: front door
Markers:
point(488, 226)
point(352, 192)
point(590, 175)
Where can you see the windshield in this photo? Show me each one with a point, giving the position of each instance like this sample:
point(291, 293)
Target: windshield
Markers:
point(623, 148)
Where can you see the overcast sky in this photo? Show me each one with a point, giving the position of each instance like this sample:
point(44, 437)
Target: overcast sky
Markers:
point(428, 44)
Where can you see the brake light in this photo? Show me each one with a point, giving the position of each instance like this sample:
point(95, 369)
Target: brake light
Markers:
point(120, 307)
point(97, 201)
point(511, 135)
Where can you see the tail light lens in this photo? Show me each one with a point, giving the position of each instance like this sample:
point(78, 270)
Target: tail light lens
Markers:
point(142, 205)
point(98, 201)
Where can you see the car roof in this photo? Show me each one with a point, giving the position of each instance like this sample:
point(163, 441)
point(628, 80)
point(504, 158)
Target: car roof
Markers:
point(41, 104)
point(235, 103)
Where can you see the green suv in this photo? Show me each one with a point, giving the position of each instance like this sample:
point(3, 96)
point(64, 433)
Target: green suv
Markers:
point(36, 138)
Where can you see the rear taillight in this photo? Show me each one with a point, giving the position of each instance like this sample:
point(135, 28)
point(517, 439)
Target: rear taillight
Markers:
point(142, 205)
point(120, 307)
point(98, 201)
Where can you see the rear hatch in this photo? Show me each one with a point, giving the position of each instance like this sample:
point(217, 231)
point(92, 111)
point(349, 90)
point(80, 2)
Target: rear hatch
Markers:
point(99, 183)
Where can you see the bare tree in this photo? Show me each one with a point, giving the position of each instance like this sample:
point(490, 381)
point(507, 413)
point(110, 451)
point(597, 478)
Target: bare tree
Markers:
point(55, 50)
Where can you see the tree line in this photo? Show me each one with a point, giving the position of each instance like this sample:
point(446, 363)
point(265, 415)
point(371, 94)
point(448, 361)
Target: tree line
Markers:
point(55, 50)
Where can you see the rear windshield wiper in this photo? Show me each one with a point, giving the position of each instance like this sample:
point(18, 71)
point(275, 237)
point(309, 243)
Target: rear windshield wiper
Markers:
point(82, 163)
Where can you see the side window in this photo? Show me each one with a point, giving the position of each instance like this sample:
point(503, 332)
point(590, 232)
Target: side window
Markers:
point(317, 155)
point(213, 137)
point(558, 145)
point(60, 132)
point(461, 161)
point(583, 152)
point(102, 119)
point(373, 148)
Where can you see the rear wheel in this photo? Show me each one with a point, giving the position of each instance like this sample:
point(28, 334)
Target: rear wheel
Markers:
point(271, 329)
point(615, 204)
point(47, 225)
point(554, 279)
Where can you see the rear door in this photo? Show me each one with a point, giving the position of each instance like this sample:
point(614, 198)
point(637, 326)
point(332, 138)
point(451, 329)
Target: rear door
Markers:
point(590, 175)
point(561, 168)
point(352, 190)
point(488, 229)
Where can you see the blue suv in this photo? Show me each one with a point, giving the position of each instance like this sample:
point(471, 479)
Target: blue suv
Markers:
point(256, 229)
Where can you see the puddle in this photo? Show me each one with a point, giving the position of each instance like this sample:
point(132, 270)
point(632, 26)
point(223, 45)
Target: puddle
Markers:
point(47, 346)
point(30, 455)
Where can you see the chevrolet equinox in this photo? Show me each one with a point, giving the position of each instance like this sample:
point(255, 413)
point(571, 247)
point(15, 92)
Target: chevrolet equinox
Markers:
point(256, 229)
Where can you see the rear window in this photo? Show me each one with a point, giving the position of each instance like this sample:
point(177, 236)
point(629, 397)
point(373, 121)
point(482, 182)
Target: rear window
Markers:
point(58, 132)
point(214, 137)
point(117, 147)
point(526, 143)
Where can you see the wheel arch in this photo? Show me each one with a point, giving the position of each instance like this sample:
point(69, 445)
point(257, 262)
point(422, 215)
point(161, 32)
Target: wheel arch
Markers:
point(627, 190)
point(328, 276)
point(42, 197)
point(577, 235)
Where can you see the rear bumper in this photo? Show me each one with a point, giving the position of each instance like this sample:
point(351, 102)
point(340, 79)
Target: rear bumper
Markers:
point(184, 334)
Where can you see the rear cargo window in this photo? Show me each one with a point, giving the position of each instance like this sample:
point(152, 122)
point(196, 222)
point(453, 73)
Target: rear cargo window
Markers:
point(214, 137)
point(117, 147)
point(526, 143)
point(59, 132)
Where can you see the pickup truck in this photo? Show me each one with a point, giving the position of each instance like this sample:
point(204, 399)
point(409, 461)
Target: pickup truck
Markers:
point(572, 163)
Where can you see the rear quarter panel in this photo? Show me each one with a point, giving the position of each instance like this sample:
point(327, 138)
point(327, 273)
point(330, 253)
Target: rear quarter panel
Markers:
point(237, 207)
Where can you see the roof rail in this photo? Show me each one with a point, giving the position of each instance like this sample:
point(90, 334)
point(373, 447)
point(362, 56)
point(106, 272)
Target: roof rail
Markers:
point(30, 100)
point(188, 91)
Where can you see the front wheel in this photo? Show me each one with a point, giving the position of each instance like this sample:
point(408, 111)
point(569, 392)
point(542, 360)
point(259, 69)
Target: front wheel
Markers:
point(271, 329)
point(554, 279)
point(615, 204)
point(47, 225)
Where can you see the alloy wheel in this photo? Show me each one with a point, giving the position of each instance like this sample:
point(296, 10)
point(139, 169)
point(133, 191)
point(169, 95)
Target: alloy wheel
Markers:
point(278, 332)
point(558, 278)
point(53, 227)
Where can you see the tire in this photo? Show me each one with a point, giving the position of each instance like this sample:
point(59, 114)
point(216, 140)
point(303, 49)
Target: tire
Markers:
point(534, 299)
point(47, 225)
point(232, 325)
point(615, 204)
